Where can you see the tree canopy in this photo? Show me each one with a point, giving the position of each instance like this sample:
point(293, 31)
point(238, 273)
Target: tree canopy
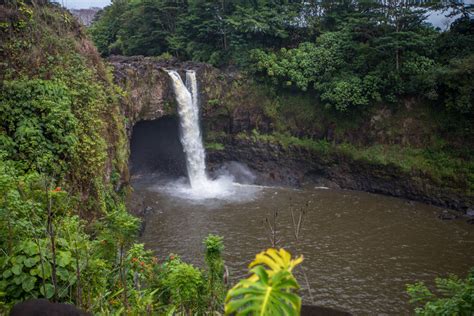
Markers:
point(351, 53)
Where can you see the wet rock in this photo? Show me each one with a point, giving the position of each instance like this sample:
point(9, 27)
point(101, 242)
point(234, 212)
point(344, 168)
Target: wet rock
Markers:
point(470, 212)
point(447, 215)
point(313, 310)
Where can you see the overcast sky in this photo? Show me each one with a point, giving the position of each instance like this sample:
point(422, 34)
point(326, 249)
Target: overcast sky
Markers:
point(438, 20)
point(83, 4)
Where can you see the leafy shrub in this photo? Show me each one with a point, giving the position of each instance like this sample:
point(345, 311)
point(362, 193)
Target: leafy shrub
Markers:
point(27, 272)
point(185, 284)
point(344, 94)
point(306, 65)
point(38, 124)
point(30, 215)
point(455, 83)
point(455, 296)
point(215, 271)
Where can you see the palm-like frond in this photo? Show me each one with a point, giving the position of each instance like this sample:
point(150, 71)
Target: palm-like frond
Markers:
point(276, 260)
point(268, 291)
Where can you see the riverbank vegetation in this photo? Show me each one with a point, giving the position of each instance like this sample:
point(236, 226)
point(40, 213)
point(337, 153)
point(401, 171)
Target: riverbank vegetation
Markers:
point(65, 234)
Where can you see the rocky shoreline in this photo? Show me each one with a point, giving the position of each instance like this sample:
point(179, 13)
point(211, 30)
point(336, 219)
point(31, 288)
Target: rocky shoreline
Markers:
point(297, 166)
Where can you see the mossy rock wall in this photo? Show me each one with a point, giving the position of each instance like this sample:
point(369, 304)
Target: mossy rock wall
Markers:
point(43, 44)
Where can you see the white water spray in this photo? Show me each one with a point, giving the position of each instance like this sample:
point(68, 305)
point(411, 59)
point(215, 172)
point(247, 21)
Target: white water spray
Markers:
point(201, 187)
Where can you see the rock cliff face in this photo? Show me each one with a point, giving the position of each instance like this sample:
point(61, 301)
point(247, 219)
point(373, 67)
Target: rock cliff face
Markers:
point(297, 166)
point(231, 105)
point(228, 104)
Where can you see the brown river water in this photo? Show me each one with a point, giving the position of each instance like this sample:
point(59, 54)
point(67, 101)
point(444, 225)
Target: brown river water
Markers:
point(360, 249)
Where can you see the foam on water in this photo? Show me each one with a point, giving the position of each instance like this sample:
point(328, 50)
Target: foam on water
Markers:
point(222, 189)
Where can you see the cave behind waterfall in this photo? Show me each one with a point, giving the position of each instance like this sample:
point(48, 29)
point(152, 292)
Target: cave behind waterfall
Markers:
point(155, 148)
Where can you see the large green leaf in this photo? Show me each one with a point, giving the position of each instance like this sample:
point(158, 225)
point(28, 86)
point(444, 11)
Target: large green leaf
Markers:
point(276, 260)
point(7, 273)
point(30, 248)
point(267, 292)
point(28, 284)
point(30, 262)
point(268, 296)
point(63, 274)
point(49, 290)
point(17, 268)
point(46, 268)
point(64, 258)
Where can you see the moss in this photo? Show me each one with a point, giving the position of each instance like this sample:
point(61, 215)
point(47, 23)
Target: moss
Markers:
point(169, 107)
point(213, 136)
point(215, 146)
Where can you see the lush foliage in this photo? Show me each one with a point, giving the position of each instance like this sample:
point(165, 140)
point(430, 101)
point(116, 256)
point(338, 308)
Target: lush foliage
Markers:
point(186, 287)
point(375, 53)
point(59, 110)
point(39, 126)
point(349, 62)
point(270, 290)
point(455, 296)
point(352, 53)
point(47, 252)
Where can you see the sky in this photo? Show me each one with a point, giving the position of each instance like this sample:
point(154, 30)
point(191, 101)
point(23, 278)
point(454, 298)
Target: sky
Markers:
point(437, 19)
point(83, 4)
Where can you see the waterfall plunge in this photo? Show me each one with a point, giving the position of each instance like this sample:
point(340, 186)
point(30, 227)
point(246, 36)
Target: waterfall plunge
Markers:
point(186, 97)
point(200, 186)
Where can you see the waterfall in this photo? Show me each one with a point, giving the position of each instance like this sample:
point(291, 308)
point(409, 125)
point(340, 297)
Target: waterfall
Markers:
point(188, 110)
point(200, 187)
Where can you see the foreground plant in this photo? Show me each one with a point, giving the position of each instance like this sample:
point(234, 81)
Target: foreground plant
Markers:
point(214, 246)
point(454, 296)
point(270, 290)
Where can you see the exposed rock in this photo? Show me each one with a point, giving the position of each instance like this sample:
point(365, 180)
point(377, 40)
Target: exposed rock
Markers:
point(313, 310)
point(295, 166)
point(470, 212)
point(39, 307)
point(226, 103)
point(447, 215)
